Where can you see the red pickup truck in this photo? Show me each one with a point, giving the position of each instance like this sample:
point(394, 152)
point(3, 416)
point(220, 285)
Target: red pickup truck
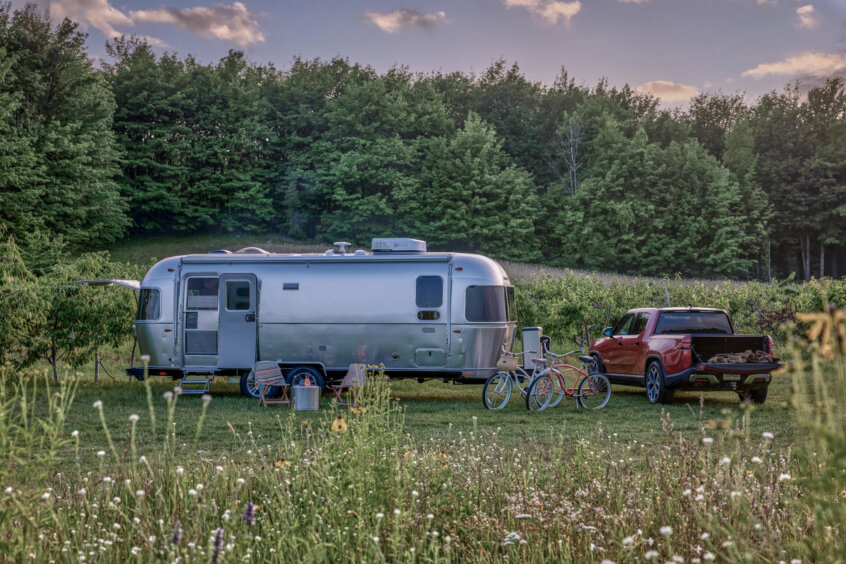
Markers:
point(684, 348)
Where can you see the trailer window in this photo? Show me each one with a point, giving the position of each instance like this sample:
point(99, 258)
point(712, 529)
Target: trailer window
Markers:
point(512, 305)
point(486, 303)
point(201, 294)
point(237, 295)
point(148, 305)
point(430, 291)
point(672, 322)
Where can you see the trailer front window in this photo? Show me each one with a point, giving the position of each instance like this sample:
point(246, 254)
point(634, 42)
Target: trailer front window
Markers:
point(485, 304)
point(148, 305)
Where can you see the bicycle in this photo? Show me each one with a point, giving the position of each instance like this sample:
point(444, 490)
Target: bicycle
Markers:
point(592, 391)
point(498, 388)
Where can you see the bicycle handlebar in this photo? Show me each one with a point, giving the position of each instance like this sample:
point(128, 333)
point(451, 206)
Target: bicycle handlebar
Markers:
point(517, 354)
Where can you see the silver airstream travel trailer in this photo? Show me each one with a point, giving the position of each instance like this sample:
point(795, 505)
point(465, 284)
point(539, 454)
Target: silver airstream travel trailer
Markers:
point(420, 314)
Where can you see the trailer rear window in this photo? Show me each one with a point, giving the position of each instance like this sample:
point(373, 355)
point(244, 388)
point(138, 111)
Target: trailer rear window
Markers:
point(673, 322)
point(486, 303)
point(148, 304)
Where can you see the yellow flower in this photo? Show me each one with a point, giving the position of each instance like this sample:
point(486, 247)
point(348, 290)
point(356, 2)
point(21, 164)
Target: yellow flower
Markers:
point(825, 326)
point(358, 410)
point(442, 455)
point(306, 422)
point(444, 466)
point(339, 425)
point(843, 494)
point(407, 454)
point(284, 463)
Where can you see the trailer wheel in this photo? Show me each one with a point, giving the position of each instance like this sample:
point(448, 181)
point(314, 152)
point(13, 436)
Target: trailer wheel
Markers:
point(754, 396)
point(298, 374)
point(250, 389)
point(656, 386)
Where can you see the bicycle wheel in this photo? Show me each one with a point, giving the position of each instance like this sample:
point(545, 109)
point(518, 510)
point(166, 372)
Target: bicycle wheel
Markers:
point(594, 391)
point(521, 379)
point(540, 391)
point(497, 391)
point(557, 389)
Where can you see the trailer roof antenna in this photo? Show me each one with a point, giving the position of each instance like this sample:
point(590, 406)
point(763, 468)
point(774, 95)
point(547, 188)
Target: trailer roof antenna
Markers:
point(342, 247)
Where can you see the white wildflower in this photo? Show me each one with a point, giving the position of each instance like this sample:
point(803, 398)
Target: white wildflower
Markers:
point(192, 492)
point(98, 404)
point(757, 459)
point(380, 515)
point(725, 461)
point(783, 477)
point(687, 492)
point(707, 440)
point(145, 358)
point(666, 531)
point(375, 539)
point(139, 493)
point(708, 556)
point(704, 536)
point(207, 398)
point(628, 541)
point(651, 554)
point(396, 511)
point(134, 418)
point(168, 396)
point(180, 470)
point(75, 434)
point(767, 435)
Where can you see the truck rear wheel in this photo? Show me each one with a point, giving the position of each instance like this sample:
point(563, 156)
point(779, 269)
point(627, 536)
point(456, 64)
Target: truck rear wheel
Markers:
point(754, 396)
point(656, 386)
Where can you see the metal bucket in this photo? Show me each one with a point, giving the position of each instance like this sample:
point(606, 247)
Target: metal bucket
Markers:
point(531, 342)
point(306, 398)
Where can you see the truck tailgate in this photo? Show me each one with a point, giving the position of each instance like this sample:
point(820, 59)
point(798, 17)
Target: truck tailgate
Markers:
point(737, 368)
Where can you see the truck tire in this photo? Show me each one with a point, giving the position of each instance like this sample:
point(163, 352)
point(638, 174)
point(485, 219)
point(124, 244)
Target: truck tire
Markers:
point(249, 388)
point(754, 396)
point(656, 386)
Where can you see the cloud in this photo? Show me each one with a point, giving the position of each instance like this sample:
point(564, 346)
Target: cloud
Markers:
point(549, 11)
point(98, 14)
point(392, 22)
point(668, 91)
point(807, 16)
point(810, 63)
point(233, 22)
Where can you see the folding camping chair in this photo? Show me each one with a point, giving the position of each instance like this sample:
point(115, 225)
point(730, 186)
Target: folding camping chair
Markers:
point(267, 374)
point(355, 378)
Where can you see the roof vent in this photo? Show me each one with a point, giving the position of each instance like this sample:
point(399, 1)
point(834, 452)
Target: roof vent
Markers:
point(252, 251)
point(220, 252)
point(400, 245)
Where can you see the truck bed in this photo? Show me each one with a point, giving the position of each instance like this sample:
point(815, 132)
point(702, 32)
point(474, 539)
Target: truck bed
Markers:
point(707, 346)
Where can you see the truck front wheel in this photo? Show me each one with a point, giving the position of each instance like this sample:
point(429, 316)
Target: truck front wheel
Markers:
point(656, 387)
point(754, 396)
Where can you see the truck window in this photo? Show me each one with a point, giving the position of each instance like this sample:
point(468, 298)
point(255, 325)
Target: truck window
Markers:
point(148, 304)
point(623, 327)
point(671, 322)
point(485, 303)
point(430, 291)
point(639, 324)
point(201, 294)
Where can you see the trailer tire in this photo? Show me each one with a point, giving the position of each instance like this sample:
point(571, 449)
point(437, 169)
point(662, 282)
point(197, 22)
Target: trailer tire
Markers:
point(249, 388)
point(298, 374)
point(656, 385)
point(758, 396)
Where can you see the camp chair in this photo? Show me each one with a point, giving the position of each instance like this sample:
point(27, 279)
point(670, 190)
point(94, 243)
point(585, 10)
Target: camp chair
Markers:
point(355, 378)
point(268, 375)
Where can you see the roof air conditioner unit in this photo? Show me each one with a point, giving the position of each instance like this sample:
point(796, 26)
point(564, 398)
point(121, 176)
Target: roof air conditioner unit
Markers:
point(400, 245)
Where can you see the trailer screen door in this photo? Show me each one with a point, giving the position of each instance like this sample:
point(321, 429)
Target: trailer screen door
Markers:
point(237, 336)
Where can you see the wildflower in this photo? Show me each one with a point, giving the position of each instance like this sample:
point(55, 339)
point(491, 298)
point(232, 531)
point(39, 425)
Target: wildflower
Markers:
point(192, 492)
point(666, 531)
point(708, 556)
point(167, 396)
point(725, 461)
point(795, 561)
point(735, 494)
point(728, 544)
point(46, 496)
point(396, 511)
point(704, 536)
point(756, 460)
point(218, 545)
point(282, 463)
point(177, 390)
point(522, 516)
point(358, 410)
point(206, 399)
point(407, 454)
point(134, 418)
point(142, 459)
point(687, 492)
point(651, 554)
point(145, 358)
point(218, 468)
point(414, 493)
point(177, 533)
point(375, 539)
point(628, 541)
point(447, 539)
point(240, 481)
point(767, 435)
point(9, 489)
point(842, 493)
point(380, 515)
point(339, 425)
point(116, 526)
point(180, 470)
point(783, 477)
point(139, 493)
point(707, 440)
point(442, 455)
point(98, 404)
point(75, 434)
point(257, 538)
point(430, 516)
point(250, 514)
point(699, 497)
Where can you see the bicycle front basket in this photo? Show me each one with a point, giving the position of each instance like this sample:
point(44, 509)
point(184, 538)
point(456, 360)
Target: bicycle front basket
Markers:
point(507, 362)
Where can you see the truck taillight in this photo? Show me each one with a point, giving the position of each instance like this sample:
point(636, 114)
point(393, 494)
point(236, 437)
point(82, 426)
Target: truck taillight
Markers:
point(684, 343)
point(771, 345)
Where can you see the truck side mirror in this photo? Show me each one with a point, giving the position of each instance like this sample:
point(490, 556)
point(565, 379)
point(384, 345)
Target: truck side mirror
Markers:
point(608, 331)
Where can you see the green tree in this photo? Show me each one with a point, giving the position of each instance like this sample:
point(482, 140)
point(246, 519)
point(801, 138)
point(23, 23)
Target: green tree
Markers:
point(64, 109)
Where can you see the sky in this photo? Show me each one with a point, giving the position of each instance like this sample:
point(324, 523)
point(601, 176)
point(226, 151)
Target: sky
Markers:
point(673, 49)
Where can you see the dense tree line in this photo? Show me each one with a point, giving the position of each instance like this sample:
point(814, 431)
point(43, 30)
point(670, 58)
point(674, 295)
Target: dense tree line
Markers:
point(585, 176)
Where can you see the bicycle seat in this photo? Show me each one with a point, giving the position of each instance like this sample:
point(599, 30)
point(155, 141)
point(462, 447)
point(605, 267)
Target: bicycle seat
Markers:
point(587, 359)
point(539, 360)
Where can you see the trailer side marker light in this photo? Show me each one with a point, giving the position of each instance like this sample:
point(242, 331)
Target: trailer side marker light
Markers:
point(168, 330)
point(459, 268)
point(456, 330)
point(162, 373)
point(171, 269)
point(468, 373)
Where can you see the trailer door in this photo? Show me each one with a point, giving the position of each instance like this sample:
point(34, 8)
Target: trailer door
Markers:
point(237, 334)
